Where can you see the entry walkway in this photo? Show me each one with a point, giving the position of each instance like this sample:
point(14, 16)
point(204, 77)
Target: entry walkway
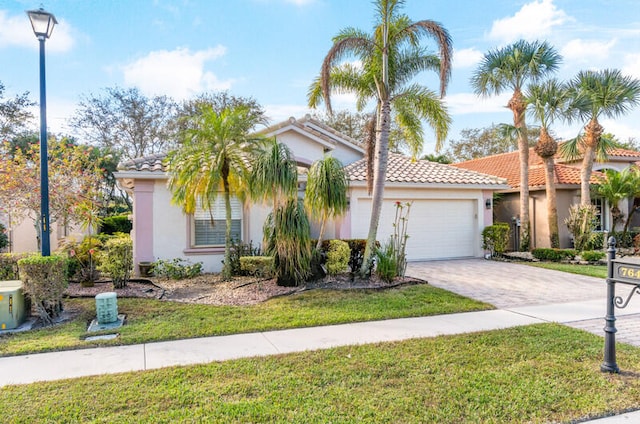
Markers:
point(518, 291)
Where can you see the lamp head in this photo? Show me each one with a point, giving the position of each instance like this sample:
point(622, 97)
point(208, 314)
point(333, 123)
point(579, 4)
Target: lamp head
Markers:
point(42, 23)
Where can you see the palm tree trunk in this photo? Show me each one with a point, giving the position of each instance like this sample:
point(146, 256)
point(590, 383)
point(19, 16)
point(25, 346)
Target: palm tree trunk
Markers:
point(518, 106)
point(593, 131)
point(552, 206)
point(226, 268)
point(379, 176)
point(321, 235)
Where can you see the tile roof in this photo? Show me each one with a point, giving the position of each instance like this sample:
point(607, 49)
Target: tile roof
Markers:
point(401, 169)
point(315, 127)
point(151, 163)
point(507, 165)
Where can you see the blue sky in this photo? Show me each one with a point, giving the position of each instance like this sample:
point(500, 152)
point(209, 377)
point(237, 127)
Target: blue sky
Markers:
point(272, 49)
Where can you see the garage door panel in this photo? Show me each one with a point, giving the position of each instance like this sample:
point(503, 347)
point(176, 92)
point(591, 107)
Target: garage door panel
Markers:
point(437, 229)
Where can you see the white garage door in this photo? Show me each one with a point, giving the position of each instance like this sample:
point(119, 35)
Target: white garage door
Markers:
point(437, 229)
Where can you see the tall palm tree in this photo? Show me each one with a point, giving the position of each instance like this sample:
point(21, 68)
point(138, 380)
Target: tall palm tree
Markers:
point(390, 57)
point(212, 160)
point(326, 192)
point(546, 103)
point(614, 187)
point(605, 93)
point(510, 68)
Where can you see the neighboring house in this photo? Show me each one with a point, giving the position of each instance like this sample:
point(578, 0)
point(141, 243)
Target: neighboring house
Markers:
point(507, 165)
point(450, 206)
point(23, 235)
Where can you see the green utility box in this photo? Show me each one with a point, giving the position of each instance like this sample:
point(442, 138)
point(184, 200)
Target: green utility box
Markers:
point(12, 305)
point(107, 307)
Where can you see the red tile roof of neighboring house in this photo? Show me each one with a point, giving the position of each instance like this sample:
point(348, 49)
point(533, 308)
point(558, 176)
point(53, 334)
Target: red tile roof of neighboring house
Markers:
point(507, 165)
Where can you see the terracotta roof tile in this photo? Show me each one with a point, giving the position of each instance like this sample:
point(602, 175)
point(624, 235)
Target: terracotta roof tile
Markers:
point(401, 169)
point(507, 165)
point(151, 163)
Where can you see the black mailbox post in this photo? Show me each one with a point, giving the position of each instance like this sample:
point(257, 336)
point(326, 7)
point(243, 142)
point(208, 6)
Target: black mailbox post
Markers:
point(624, 271)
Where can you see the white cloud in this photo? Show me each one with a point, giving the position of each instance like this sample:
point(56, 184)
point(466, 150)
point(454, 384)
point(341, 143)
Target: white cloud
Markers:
point(632, 65)
point(532, 21)
point(179, 73)
point(279, 113)
point(466, 103)
point(623, 128)
point(16, 31)
point(579, 50)
point(466, 58)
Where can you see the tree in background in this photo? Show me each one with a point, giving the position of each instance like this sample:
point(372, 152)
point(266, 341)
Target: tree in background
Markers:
point(481, 142)
point(73, 179)
point(510, 68)
point(390, 56)
point(15, 115)
point(127, 122)
point(217, 101)
point(213, 160)
point(326, 192)
point(605, 93)
point(432, 157)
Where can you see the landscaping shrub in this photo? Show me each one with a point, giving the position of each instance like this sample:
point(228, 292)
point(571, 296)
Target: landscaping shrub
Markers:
point(258, 266)
point(357, 247)
point(495, 238)
point(553, 255)
point(592, 255)
point(238, 250)
point(596, 241)
point(176, 269)
point(117, 260)
point(116, 224)
point(83, 259)
point(44, 280)
point(581, 223)
point(386, 266)
point(338, 255)
point(9, 266)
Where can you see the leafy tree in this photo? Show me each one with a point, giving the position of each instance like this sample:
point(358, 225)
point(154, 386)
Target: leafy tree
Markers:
point(4, 238)
point(73, 179)
point(14, 114)
point(352, 124)
point(605, 93)
point(218, 101)
point(326, 192)
point(509, 68)
point(127, 121)
point(547, 102)
point(391, 56)
point(212, 160)
point(477, 143)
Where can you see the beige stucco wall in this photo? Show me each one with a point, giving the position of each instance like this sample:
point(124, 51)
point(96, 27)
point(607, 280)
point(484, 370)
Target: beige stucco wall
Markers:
point(23, 236)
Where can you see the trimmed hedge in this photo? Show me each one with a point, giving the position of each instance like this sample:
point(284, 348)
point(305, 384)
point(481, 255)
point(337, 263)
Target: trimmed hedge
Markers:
point(44, 280)
point(116, 224)
point(592, 255)
point(495, 238)
point(553, 255)
point(259, 266)
point(338, 256)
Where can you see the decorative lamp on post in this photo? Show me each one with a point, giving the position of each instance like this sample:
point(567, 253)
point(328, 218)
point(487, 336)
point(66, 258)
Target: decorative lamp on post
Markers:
point(43, 23)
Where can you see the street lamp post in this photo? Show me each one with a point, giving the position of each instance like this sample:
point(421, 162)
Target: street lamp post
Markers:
point(43, 23)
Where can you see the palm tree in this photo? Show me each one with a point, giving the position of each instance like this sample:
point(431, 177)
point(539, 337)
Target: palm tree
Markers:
point(605, 93)
point(212, 160)
point(546, 102)
point(510, 68)
point(390, 58)
point(326, 192)
point(614, 187)
point(274, 177)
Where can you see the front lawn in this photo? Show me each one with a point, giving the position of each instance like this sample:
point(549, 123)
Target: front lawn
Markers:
point(540, 373)
point(598, 271)
point(152, 320)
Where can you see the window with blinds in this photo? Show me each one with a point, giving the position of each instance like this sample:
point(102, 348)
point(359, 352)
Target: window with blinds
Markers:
point(209, 227)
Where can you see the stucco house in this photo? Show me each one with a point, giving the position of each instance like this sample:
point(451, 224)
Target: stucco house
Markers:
point(450, 207)
point(23, 235)
point(507, 165)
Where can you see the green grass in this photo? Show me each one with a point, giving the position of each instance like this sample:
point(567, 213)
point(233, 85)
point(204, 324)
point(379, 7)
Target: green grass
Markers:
point(598, 271)
point(540, 373)
point(152, 320)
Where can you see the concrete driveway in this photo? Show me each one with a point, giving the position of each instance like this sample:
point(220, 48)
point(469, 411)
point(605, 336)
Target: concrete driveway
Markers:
point(534, 292)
